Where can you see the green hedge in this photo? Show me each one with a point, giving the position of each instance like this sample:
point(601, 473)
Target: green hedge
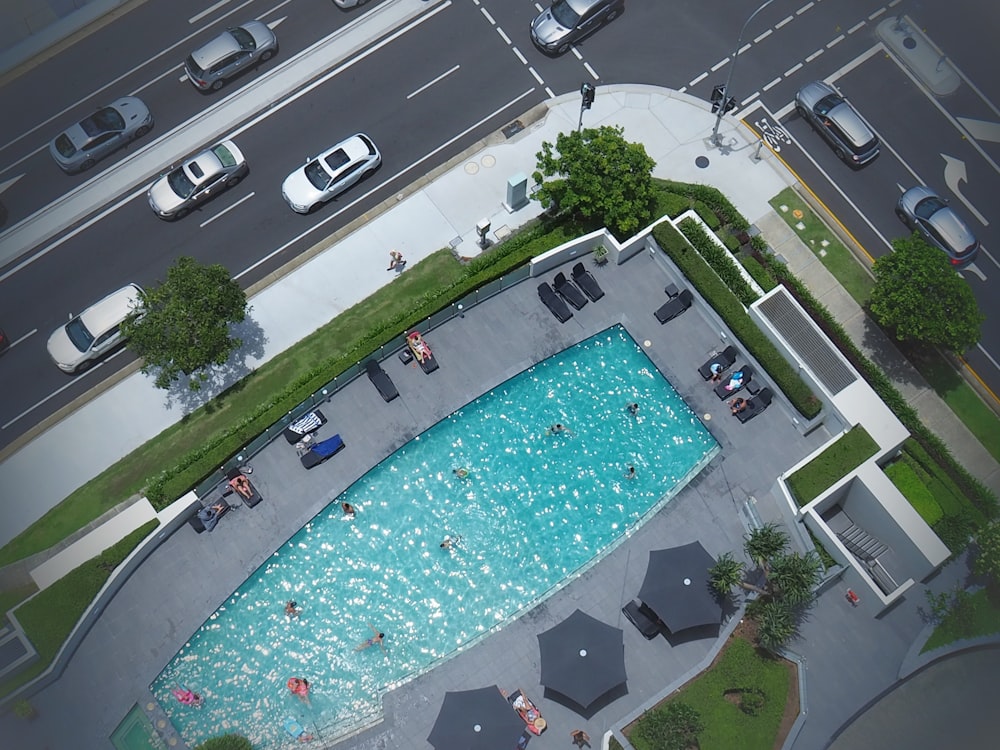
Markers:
point(839, 459)
point(715, 200)
point(729, 308)
point(226, 742)
point(914, 489)
point(721, 261)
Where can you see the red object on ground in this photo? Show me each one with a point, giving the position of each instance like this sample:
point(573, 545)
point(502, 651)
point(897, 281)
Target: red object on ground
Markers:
point(852, 597)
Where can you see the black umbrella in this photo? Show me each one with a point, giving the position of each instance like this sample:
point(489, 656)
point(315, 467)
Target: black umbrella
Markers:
point(479, 719)
point(582, 658)
point(677, 588)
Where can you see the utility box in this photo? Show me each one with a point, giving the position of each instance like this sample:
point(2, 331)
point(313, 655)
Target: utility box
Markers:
point(517, 192)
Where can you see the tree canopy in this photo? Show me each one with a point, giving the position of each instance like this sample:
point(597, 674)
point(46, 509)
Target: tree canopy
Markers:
point(988, 560)
point(919, 297)
point(182, 326)
point(597, 174)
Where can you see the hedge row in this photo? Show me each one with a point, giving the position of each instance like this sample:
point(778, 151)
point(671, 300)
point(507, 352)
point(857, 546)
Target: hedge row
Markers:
point(838, 460)
point(731, 310)
point(721, 261)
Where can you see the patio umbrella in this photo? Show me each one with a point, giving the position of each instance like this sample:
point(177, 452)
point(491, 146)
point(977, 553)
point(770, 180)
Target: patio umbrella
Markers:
point(677, 589)
point(582, 658)
point(479, 719)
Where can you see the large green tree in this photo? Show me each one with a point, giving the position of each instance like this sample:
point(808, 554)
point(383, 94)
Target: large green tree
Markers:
point(181, 327)
point(919, 297)
point(596, 174)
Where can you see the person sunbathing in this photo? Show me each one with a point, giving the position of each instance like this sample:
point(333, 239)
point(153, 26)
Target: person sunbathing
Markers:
point(209, 517)
point(242, 485)
point(738, 404)
point(420, 349)
point(735, 382)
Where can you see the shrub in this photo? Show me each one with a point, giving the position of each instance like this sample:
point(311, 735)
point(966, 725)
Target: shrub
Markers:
point(905, 478)
point(954, 531)
point(672, 726)
point(848, 452)
point(226, 742)
point(707, 215)
point(751, 701)
point(721, 261)
point(671, 204)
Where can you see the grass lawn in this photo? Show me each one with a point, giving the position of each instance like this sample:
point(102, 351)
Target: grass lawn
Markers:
point(843, 456)
point(741, 667)
point(983, 619)
point(831, 252)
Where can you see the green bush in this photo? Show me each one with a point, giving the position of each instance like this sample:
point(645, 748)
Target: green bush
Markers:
point(721, 261)
point(226, 742)
point(903, 476)
point(673, 726)
point(839, 459)
point(707, 215)
point(954, 531)
point(712, 198)
point(671, 204)
point(751, 701)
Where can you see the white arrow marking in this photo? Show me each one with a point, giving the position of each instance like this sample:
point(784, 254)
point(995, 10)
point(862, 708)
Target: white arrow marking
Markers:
point(9, 183)
point(974, 270)
point(276, 22)
point(954, 173)
point(981, 130)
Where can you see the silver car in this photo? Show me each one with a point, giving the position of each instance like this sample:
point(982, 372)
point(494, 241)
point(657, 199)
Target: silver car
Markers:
point(330, 173)
point(349, 3)
point(94, 332)
point(80, 146)
point(199, 178)
point(822, 106)
point(229, 54)
point(923, 210)
point(567, 21)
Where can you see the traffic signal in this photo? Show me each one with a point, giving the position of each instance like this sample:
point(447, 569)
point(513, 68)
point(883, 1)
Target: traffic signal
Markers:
point(717, 93)
point(588, 91)
point(729, 105)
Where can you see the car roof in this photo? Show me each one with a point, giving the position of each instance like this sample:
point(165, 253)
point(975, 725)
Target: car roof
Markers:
point(208, 54)
point(952, 229)
point(110, 311)
point(356, 147)
point(203, 166)
point(813, 92)
point(582, 6)
point(850, 122)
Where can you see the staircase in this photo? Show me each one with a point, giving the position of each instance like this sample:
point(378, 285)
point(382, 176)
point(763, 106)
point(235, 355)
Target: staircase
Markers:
point(861, 544)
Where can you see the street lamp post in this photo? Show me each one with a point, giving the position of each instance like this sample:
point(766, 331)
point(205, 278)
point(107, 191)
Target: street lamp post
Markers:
point(729, 78)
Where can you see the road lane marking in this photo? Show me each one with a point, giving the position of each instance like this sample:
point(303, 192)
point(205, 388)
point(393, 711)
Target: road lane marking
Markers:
point(804, 8)
point(522, 58)
point(696, 81)
point(772, 84)
point(591, 71)
point(550, 93)
point(876, 14)
point(783, 22)
point(763, 36)
point(814, 55)
point(989, 255)
point(226, 210)
point(749, 99)
point(432, 82)
point(9, 183)
point(719, 64)
point(26, 336)
point(488, 16)
point(207, 12)
point(535, 74)
point(855, 27)
point(576, 53)
point(836, 41)
point(990, 358)
point(160, 77)
point(793, 69)
point(503, 35)
point(954, 174)
point(744, 48)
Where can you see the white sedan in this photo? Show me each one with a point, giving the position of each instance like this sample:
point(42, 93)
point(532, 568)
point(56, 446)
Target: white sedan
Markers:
point(330, 173)
point(199, 178)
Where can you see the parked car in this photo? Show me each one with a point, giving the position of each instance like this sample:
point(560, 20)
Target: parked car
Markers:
point(330, 173)
point(199, 178)
point(830, 115)
point(923, 210)
point(4, 341)
point(94, 332)
point(349, 3)
point(566, 22)
point(229, 54)
point(80, 146)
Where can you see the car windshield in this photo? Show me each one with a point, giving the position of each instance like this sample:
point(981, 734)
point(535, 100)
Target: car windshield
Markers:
point(317, 175)
point(828, 102)
point(244, 39)
point(564, 15)
point(180, 183)
point(79, 335)
point(928, 207)
point(65, 146)
point(102, 121)
point(224, 155)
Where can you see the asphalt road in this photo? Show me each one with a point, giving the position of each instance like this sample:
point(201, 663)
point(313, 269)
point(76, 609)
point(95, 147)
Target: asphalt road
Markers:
point(424, 97)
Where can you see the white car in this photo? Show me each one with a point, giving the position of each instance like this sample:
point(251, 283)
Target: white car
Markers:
point(94, 332)
point(199, 178)
point(330, 173)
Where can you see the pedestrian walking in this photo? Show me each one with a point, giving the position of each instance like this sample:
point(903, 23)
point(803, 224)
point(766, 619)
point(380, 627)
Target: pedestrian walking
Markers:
point(580, 738)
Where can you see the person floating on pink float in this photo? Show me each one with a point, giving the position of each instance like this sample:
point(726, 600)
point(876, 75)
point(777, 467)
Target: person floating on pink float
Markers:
point(187, 697)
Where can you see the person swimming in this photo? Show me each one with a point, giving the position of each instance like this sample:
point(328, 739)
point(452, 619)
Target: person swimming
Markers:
point(558, 429)
point(450, 541)
point(633, 409)
point(461, 472)
point(377, 637)
point(299, 687)
point(187, 697)
point(292, 609)
point(348, 509)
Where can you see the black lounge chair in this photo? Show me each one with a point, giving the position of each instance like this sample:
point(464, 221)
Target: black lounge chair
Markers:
point(675, 307)
point(322, 451)
point(722, 391)
point(250, 500)
point(302, 426)
point(725, 359)
point(586, 281)
point(755, 405)
point(421, 352)
point(568, 291)
point(381, 380)
point(552, 301)
point(643, 618)
point(206, 519)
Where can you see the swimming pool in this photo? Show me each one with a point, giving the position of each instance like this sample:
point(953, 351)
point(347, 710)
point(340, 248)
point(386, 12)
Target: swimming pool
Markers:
point(535, 510)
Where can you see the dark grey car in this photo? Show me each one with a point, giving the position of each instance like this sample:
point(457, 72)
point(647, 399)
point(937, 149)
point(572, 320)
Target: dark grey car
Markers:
point(822, 106)
point(923, 210)
point(82, 145)
point(229, 54)
point(565, 22)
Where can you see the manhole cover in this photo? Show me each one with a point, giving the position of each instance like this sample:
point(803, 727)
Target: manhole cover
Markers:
point(701, 162)
point(489, 161)
point(471, 168)
point(909, 42)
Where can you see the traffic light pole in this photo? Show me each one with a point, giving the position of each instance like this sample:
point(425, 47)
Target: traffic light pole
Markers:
point(587, 94)
point(729, 78)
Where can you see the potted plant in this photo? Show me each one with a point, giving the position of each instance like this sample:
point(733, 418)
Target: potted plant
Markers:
point(24, 710)
point(600, 255)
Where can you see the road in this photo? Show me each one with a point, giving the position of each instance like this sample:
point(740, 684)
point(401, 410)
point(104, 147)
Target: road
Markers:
point(464, 70)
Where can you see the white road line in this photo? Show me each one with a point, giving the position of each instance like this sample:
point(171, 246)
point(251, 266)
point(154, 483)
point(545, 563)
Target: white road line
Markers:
point(814, 55)
point(535, 74)
point(488, 16)
point(719, 64)
point(772, 84)
point(682, 90)
point(576, 53)
point(26, 336)
point(855, 27)
point(503, 35)
point(432, 82)
point(836, 41)
point(793, 69)
point(782, 113)
point(697, 80)
point(160, 77)
point(989, 255)
point(749, 99)
point(988, 355)
point(857, 62)
point(783, 22)
point(804, 8)
point(763, 36)
point(539, 8)
point(396, 176)
point(226, 210)
point(894, 3)
point(207, 12)
point(591, 71)
point(550, 93)
point(522, 58)
point(744, 48)
point(876, 14)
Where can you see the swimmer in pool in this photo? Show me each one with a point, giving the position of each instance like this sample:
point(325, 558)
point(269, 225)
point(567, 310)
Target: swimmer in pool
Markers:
point(292, 609)
point(348, 509)
point(558, 429)
point(369, 642)
point(461, 472)
point(450, 541)
point(633, 409)
point(630, 474)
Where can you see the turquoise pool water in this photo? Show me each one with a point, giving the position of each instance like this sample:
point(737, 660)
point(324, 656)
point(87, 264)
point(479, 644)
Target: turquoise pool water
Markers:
point(534, 511)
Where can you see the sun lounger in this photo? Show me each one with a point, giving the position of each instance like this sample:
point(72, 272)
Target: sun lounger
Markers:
point(755, 405)
point(321, 451)
point(421, 352)
point(302, 426)
point(381, 380)
point(205, 519)
point(552, 301)
point(723, 389)
point(586, 281)
point(643, 618)
point(528, 711)
point(248, 500)
point(568, 291)
point(725, 359)
point(675, 307)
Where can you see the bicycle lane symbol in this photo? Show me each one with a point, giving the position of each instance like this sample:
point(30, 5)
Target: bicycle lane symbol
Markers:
point(772, 133)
